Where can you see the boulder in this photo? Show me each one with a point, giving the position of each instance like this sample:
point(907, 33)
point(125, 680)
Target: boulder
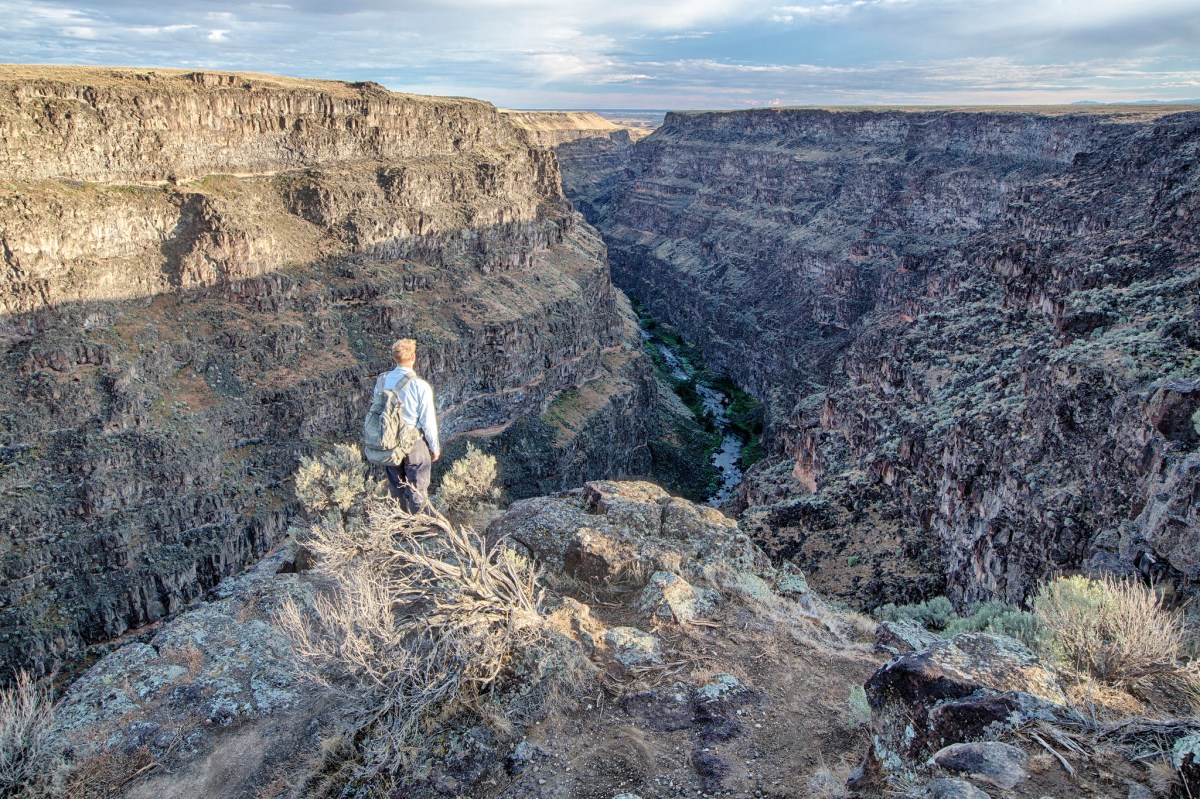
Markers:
point(631, 505)
point(1001, 764)
point(1185, 756)
point(973, 687)
point(954, 789)
point(669, 596)
point(633, 648)
point(545, 526)
point(900, 637)
point(597, 557)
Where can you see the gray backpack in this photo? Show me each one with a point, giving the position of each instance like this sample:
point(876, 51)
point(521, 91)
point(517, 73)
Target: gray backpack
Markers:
point(387, 438)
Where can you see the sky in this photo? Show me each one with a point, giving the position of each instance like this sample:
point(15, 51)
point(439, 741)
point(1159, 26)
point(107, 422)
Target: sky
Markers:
point(650, 54)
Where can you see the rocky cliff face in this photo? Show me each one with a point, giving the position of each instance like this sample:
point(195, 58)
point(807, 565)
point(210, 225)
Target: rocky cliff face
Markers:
point(977, 331)
point(201, 274)
point(592, 151)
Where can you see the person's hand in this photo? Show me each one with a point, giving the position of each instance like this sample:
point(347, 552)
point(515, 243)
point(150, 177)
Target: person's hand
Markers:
point(434, 456)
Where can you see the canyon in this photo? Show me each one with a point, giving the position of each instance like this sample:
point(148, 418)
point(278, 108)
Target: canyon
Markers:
point(202, 273)
point(975, 331)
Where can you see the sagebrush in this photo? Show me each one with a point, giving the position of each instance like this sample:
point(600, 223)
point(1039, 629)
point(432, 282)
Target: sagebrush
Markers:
point(469, 483)
point(334, 483)
point(418, 615)
point(1001, 618)
point(1116, 631)
point(28, 759)
point(933, 614)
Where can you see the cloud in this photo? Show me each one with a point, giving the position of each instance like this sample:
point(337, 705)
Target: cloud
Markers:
point(79, 32)
point(630, 53)
point(161, 30)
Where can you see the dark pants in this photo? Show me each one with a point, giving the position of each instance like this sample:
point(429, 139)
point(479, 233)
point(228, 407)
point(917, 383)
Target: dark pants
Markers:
point(409, 482)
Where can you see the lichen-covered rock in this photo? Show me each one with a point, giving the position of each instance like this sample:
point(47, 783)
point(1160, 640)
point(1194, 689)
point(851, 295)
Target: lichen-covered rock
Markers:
point(221, 676)
point(595, 557)
point(633, 648)
point(1185, 756)
point(899, 637)
point(634, 507)
point(1000, 764)
point(669, 596)
point(954, 789)
point(973, 687)
point(610, 526)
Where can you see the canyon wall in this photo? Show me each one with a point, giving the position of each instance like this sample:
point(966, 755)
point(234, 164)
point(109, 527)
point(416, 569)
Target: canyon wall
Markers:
point(976, 331)
point(201, 275)
point(592, 151)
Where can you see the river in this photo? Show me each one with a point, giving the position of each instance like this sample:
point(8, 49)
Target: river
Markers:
point(727, 457)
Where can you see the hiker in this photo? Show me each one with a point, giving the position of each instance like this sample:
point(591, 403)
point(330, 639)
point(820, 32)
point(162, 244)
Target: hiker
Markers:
point(409, 481)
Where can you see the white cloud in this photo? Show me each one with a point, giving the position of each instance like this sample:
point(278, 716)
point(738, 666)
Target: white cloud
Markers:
point(160, 30)
point(626, 52)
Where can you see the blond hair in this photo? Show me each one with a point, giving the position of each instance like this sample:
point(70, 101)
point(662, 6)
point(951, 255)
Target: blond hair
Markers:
point(404, 352)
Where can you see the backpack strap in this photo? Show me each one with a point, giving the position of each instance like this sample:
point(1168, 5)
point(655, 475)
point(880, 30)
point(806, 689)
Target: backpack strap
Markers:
point(399, 386)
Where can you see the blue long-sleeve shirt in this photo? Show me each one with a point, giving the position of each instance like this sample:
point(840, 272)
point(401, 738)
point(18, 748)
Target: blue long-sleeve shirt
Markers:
point(416, 406)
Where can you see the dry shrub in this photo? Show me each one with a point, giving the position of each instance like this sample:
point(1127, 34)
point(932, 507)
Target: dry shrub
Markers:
point(28, 760)
point(829, 782)
point(1116, 631)
point(418, 615)
point(469, 484)
point(334, 484)
point(106, 774)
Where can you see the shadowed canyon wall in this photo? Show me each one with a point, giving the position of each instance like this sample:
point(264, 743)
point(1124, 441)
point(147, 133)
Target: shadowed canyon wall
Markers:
point(976, 331)
point(201, 275)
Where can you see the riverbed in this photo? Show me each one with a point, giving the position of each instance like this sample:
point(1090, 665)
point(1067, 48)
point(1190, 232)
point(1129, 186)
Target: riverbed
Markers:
point(728, 457)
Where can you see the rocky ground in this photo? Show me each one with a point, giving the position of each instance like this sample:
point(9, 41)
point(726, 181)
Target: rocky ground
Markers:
point(678, 662)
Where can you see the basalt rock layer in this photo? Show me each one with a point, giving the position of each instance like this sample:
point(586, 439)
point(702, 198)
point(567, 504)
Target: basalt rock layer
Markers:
point(201, 273)
point(976, 331)
point(591, 150)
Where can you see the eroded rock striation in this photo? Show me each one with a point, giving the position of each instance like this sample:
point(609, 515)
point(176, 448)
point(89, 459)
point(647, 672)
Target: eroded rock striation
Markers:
point(976, 331)
point(591, 150)
point(201, 273)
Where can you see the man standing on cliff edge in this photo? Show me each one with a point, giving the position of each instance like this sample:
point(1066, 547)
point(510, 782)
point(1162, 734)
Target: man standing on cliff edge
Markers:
point(409, 482)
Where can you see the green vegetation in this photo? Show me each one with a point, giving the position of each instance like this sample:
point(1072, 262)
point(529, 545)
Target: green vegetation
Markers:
point(334, 485)
point(1003, 619)
point(470, 484)
point(932, 614)
point(745, 413)
point(860, 708)
point(1110, 630)
point(1116, 631)
point(938, 615)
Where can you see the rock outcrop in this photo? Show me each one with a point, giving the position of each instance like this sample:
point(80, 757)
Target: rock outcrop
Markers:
point(201, 273)
point(746, 698)
point(976, 331)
